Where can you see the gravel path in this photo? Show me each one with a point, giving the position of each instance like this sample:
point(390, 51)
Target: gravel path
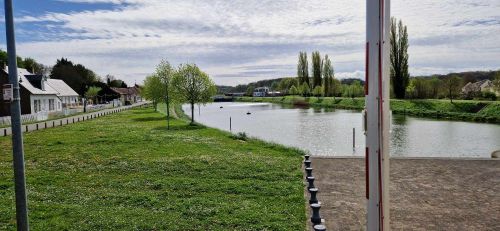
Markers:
point(426, 194)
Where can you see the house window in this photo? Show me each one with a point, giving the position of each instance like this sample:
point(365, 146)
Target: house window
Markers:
point(37, 106)
point(51, 105)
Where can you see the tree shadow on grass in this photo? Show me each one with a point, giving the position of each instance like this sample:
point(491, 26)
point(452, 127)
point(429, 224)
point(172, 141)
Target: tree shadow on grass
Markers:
point(183, 127)
point(141, 112)
point(148, 119)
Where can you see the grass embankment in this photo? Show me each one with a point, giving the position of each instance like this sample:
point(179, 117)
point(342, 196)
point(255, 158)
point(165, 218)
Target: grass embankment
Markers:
point(127, 172)
point(468, 110)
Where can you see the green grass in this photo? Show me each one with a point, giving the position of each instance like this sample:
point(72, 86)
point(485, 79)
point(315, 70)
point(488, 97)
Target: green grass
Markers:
point(467, 110)
point(127, 172)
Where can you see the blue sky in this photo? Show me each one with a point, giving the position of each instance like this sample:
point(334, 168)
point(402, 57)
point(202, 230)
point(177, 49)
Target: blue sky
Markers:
point(239, 41)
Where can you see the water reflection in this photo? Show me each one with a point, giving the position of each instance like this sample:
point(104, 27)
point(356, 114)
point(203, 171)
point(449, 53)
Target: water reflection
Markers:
point(329, 132)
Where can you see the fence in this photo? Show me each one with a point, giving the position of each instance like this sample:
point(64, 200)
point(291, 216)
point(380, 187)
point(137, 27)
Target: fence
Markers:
point(28, 118)
point(68, 120)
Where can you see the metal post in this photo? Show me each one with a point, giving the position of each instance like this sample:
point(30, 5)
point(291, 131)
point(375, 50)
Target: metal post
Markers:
point(353, 139)
point(377, 113)
point(17, 135)
point(230, 125)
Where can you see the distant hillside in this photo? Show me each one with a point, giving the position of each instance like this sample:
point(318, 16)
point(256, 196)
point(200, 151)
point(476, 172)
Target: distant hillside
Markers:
point(272, 83)
point(470, 76)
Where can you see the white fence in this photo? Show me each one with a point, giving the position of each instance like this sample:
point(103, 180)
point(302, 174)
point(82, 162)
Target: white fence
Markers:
point(28, 118)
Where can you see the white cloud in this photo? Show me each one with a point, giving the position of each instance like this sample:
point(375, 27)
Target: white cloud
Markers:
point(244, 40)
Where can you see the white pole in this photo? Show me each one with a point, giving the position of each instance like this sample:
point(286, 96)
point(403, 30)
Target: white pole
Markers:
point(377, 113)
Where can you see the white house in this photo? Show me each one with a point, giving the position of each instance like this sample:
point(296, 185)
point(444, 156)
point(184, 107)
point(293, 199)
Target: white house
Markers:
point(36, 95)
point(260, 92)
point(66, 94)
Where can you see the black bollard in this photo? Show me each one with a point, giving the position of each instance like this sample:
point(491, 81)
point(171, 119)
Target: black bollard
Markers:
point(307, 163)
point(307, 156)
point(315, 218)
point(310, 180)
point(313, 199)
point(319, 228)
point(309, 172)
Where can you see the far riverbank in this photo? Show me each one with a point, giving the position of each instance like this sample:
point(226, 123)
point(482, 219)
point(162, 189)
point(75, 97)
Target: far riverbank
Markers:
point(462, 110)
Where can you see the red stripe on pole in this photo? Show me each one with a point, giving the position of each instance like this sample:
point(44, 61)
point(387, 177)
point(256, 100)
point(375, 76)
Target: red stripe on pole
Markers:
point(367, 174)
point(367, 65)
point(381, 114)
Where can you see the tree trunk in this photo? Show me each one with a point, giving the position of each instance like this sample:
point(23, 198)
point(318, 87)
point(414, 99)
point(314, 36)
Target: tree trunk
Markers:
point(168, 115)
point(192, 112)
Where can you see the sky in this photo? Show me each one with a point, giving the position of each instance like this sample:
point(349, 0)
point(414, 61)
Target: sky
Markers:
point(241, 41)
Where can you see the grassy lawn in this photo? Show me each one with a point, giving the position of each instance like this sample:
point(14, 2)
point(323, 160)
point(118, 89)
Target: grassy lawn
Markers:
point(127, 172)
point(468, 110)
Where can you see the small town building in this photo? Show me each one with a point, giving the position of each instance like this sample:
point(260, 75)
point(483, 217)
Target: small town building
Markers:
point(66, 94)
point(128, 95)
point(36, 95)
point(261, 92)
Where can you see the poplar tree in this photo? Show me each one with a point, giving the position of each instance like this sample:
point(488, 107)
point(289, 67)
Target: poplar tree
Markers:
point(327, 76)
point(399, 58)
point(316, 62)
point(303, 69)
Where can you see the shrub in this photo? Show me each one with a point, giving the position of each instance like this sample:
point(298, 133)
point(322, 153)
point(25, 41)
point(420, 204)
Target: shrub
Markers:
point(240, 136)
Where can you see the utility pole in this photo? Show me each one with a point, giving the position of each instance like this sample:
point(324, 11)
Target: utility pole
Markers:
point(17, 135)
point(377, 114)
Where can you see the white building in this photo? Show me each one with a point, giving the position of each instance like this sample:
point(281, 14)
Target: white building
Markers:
point(66, 94)
point(260, 92)
point(39, 94)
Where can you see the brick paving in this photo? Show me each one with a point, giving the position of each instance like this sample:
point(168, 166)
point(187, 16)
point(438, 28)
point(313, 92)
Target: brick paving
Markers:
point(426, 194)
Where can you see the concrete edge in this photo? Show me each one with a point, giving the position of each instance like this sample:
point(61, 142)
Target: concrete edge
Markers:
point(407, 158)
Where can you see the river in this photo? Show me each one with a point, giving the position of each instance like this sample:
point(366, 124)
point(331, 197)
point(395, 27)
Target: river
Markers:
point(329, 132)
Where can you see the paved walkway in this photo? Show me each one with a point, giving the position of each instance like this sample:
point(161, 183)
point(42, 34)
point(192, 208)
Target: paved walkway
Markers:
point(426, 194)
point(68, 120)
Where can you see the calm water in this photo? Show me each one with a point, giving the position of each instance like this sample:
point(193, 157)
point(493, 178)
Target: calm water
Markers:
point(329, 132)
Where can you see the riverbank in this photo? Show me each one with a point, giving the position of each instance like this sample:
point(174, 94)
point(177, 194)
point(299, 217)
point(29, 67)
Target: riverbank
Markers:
point(463, 110)
point(426, 194)
point(126, 171)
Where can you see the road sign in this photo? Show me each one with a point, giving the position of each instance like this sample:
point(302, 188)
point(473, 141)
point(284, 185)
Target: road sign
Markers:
point(7, 92)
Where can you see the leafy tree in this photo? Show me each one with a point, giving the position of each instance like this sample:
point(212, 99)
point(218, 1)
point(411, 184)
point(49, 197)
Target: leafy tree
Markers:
point(496, 82)
point(274, 86)
point(411, 91)
point(293, 90)
point(250, 90)
point(336, 87)
point(399, 58)
point(317, 91)
point(153, 90)
point(327, 76)
point(166, 73)
point(76, 76)
point(192, 85)
point(452, 84)
point(353, 90)
point(92, 93)
point(303, 68)
point(317, 65)
point(305, 90)
point(32, 66)
point(435, 84)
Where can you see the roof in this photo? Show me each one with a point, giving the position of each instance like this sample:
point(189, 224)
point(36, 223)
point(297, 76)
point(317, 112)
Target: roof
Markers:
point(23, 81)
point(126, 91)
point(61, 87)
